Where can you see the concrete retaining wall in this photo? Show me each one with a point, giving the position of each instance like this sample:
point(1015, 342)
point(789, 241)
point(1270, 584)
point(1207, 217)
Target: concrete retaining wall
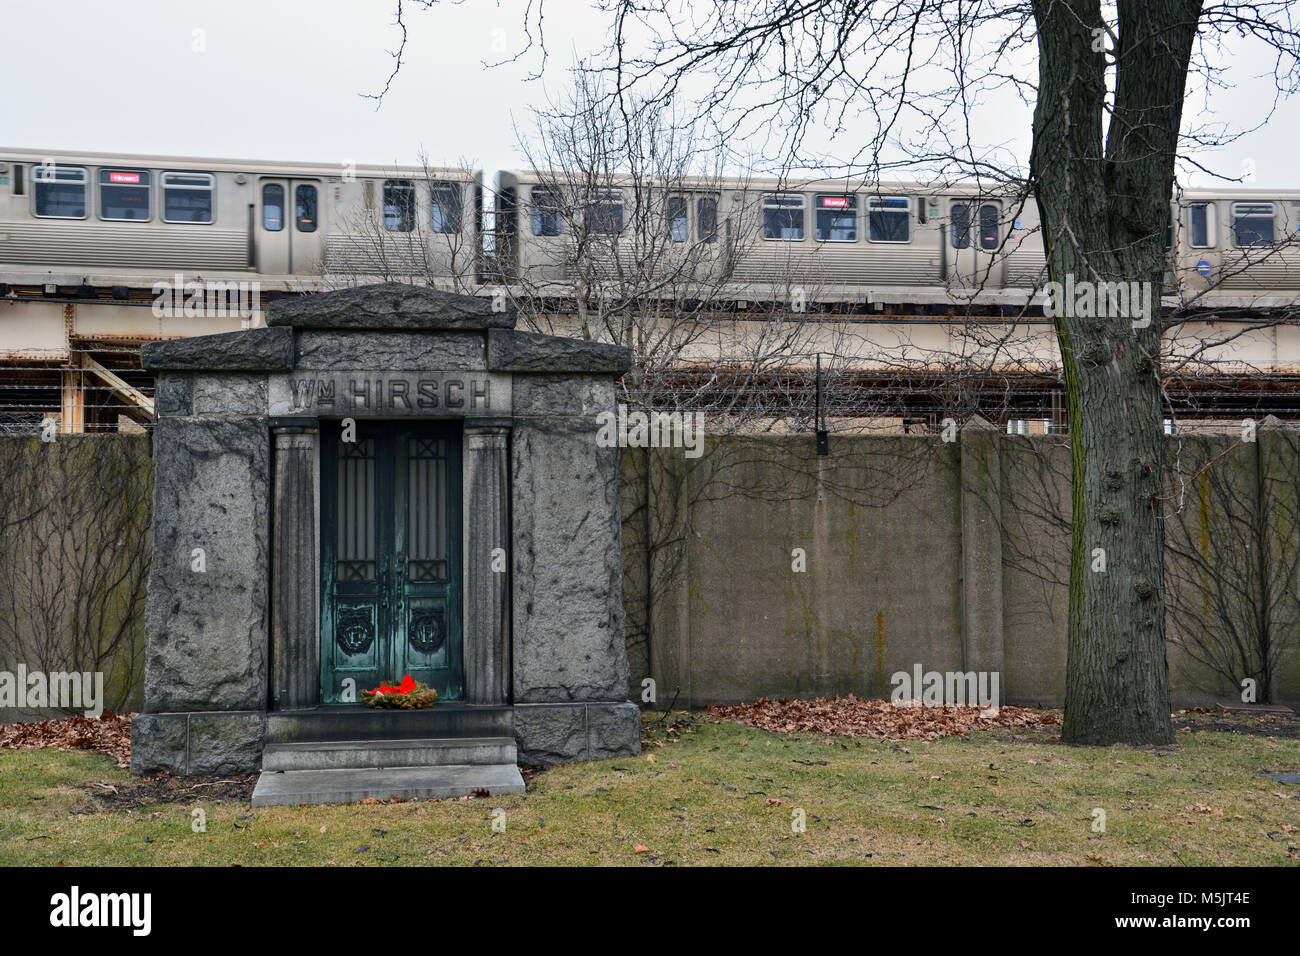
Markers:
point(952, 555)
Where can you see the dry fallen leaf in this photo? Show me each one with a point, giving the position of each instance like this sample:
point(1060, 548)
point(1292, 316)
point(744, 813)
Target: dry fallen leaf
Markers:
point(853, 716)
point(641, 848)
point(108, 733)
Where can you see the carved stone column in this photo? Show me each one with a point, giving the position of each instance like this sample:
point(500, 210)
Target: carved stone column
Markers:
point(295, 569)
point(486, 620)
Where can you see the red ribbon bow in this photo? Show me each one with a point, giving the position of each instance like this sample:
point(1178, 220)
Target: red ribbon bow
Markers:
point(405, 687)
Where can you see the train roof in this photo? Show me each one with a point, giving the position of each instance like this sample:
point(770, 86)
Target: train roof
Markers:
point(211, 164)
point(841, 184)
point(1241, 194)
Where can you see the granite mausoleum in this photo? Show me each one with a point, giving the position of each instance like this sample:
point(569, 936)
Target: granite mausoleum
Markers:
point(385, 480)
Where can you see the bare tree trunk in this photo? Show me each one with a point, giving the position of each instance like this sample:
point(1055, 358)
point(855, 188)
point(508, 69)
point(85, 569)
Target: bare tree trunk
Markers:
point(1104, 212)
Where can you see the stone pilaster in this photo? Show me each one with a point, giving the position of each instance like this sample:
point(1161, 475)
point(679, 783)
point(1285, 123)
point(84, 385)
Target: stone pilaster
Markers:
point(486, 538)
point(295, 572)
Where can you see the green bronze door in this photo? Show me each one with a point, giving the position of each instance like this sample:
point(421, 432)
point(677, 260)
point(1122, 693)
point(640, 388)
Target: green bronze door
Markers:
point(390, 563)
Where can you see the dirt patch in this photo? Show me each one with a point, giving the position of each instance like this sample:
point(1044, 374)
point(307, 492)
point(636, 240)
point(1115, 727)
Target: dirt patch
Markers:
point(103, 797)
point(1221, 721)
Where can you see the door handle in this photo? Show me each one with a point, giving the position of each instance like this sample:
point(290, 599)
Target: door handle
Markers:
point(383, 587)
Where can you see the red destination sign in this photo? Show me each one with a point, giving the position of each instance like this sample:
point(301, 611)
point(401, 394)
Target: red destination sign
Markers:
point(835, 202)
point(124, 178)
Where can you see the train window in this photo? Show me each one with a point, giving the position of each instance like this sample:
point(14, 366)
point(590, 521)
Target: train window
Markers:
point(889, 219)
point(546, 212)
point(604, 215)
point(399, 205)
point(679, 228)
point(988, 226)
point(304, 208)
point(837, 218)
point(1198, 226)
point(1252, 223)
point(187, 197)
point(960, 226)
point(706, 219)
point(782, 216)
point(445, 211)
point(272, 207)
point(59, 192)
point(124, 195)
point(18, 179)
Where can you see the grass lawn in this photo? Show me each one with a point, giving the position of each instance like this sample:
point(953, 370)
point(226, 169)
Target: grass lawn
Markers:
point(720, 793)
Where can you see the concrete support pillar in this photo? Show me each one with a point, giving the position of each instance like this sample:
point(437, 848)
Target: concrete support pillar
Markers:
point(981, 549)
point(486, 536)
point(295, 569)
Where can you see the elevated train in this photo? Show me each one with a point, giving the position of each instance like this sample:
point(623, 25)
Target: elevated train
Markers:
point(72, 220)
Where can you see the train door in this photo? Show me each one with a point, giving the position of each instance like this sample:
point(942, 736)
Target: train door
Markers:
point(289, 226)
point(974, 243)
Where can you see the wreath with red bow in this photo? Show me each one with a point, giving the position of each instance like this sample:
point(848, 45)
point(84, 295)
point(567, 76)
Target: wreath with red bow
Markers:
point(410, 694)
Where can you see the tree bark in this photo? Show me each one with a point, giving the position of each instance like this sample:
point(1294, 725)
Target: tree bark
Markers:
point(1104, 208)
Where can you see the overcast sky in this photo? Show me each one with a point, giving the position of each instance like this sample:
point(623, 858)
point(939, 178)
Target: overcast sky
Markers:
point(272, 79)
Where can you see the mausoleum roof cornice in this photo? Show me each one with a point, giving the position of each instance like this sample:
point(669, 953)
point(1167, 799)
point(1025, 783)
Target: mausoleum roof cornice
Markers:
point(389, 307)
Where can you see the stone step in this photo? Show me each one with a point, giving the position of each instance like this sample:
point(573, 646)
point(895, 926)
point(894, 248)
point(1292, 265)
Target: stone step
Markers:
point(296, 787)
point(358, 722)
point(362, 754)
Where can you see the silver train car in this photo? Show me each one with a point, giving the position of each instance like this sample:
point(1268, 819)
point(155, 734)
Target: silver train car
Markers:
point(867, 242)
point(836, 241)
point(102, 218)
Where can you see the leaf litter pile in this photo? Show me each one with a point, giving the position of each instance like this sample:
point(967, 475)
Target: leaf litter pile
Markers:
point(856, 717)
point(109, 733)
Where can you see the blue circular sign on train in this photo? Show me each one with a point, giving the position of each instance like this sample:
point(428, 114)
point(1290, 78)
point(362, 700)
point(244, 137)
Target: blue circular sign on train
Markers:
point(1203, 267)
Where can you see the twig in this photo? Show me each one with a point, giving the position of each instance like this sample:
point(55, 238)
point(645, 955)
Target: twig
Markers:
point(669, 710)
